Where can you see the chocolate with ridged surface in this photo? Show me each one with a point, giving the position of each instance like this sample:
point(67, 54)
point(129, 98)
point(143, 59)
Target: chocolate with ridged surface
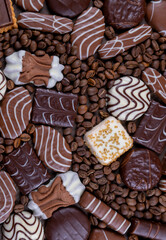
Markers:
point(68, 223)
point(124, 14)
point(105, 234)
point(54, 108)
point(141, 169)
point(25, 168)
point(151, 131)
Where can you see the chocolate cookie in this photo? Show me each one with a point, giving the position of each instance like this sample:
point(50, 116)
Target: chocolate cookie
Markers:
point(141, 169)
point(124, 14)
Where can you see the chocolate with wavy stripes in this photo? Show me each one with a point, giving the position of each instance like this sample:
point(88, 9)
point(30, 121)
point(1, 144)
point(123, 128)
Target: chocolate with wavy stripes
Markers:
point(22, 225)
point(25, 168)
point(7, 196)
point(88, 32)
point(3, 85)
point(104, 213)
point(15, 112)
point(128, 98)
point(125, 41)
point(45, 23)
point(162, 184)
point(151, 131)
point(52, 149)
point(105, 234)
point(54, 108)
point(30, 5)
point(156, 82)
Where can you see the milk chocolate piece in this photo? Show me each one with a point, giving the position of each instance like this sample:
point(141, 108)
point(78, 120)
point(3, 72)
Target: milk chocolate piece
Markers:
point(67, 8)
point(122, 14)
point(68, 223)
point(45, 23)
point(88, 32)
point(125, 41)
point(7, 196)
point(104, 213)
point(156, 17)
point(105, 234)
point(54, 108)
point(141, 169)
point(3, 85)
point(30, 5)
point(151, 131)
point(25, 168)
point(156, 82)
point(148, 229)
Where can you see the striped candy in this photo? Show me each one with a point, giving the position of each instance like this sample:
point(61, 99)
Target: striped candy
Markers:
point(2, 85)
point(30, 5)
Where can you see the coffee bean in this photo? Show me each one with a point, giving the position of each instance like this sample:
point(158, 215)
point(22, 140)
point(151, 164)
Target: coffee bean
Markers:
point(9, 142)
point(124, 209)
point(8, 51)
point(18, 208)
point(120, 200)
point(111, 177)
point(82, 109)
point(138, 214)
point(10, 84)
point(131, 202)
point(155, 211)
point(133, 194)
point(150, 193)
point(30, 128)
point(131, 127)
point(153, 201)
point(115, 206)
point(9, 149)
point(94, 186)
point(24, 200)
point(141, 197)
point(88, 115)
point(162, 200)
point(148, 215)
point(25, 137)
point(93, 220)
point(69, 138)
point(109, 32)
point(140, 206)
point(17, 142)
point(94, 98)
point(2, 149)
point(93, 107)
point(157, 192)
point(115, 165)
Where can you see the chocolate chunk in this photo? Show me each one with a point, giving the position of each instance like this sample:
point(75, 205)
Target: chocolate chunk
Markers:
point(124, 14)
point(45, 23)
point(88, 32)
point(155, 13)
point(151, 132)
point(128, 98)
point(68, 223)
point(104, 234)
point(15, 112)
point(103, 212)
point(23, 225)
point(148, 229)
point(30, 5)
point(125, 41)
point(67, 8)
point(25, 168)
point(7, 196)
point(141, 169)
point(54, 109)
point(3, 85)
point(156, 82)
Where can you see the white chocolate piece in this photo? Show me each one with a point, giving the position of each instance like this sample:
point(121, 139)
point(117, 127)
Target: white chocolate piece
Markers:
point(2, 85)
point(108, 140)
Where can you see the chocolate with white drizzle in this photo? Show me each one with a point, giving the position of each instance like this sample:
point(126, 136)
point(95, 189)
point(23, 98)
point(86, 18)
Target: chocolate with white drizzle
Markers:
point(30, 5)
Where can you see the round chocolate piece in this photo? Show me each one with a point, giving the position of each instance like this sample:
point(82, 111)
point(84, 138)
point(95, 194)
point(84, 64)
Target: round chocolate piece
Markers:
point(124, 14)
point(67, 8)
point(68, 223)
point(141, 169)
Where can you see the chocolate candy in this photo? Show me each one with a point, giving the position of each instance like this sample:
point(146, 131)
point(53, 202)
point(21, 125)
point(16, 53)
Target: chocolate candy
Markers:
point(151, 132)
point(45, 23)
point(124, 14)
point(108, 140)
point(148, 229)
point(162, 184)
point(156, 82)
point(125, 41)
point(62, 191)
point(30, 5)
point(128, 98)
point(67, 8)
point(164, 165)
point(104, 234)
point(68, 223)
point(141, 169)
point(2, 85)
point(22, 67)
point(52, 149)
point(88, 32)
point(103, 212)
point(7, 196)
point(22, 225)
point(54, 109)
point(7, 16)
point(156, 17)
point(15, 112)
point(25, 168)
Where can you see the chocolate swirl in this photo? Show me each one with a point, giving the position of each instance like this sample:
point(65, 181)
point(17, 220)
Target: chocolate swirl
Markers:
point(128, 99)
point(2, 85)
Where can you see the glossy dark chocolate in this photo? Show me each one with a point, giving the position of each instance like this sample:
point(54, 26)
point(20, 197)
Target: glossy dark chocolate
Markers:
point(5, 13)
point(141, 169)
point(54, 108)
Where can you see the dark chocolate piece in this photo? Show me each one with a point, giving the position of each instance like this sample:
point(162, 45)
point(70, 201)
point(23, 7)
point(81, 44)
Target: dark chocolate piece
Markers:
point(151, 132)
point(67, 8)
point(123, 14)
point(148, 229)
point(105, 234)
point(26, 169)
point(54, 108)
point(68, 223)
point(164, 165)
point(141, 169)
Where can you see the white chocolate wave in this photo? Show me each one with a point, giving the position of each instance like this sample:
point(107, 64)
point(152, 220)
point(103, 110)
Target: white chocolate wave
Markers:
point(2, 85)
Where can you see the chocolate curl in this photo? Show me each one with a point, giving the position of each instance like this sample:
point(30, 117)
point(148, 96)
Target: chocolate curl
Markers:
point(148, 229)
point(103, 212)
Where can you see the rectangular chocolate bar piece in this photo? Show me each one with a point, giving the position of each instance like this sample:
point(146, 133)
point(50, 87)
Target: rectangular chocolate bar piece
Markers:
point(54, 108)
